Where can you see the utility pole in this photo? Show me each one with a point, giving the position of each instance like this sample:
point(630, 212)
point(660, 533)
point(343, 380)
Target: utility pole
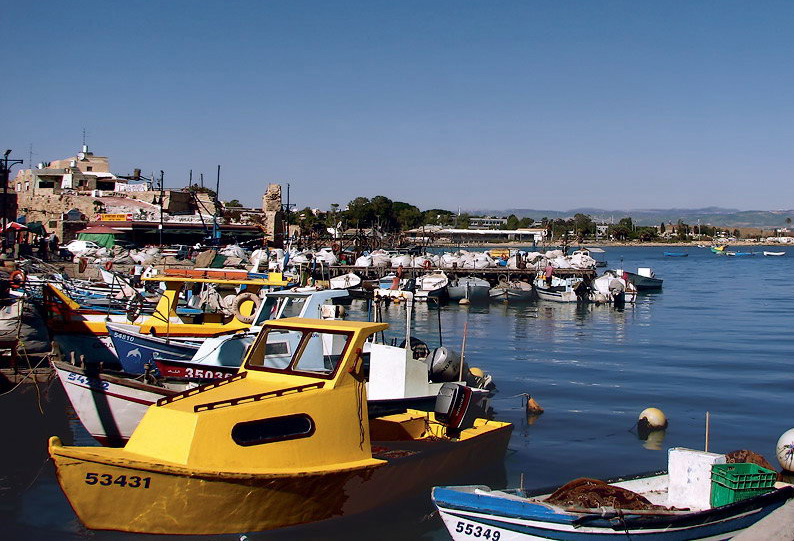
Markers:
point(161, 208)
point(215, 232)
point(4, 172)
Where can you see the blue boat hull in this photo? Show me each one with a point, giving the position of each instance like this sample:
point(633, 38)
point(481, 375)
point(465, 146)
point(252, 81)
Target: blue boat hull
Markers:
point(136, 350)
point(466, 513)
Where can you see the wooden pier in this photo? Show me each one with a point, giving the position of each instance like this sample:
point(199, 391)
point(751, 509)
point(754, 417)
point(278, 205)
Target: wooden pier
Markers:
point(492, 274)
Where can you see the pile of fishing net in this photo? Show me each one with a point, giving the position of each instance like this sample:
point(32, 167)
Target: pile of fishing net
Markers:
point(591, 493)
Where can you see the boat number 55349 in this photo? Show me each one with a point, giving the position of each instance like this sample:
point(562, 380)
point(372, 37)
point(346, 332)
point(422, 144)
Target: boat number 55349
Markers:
point(477, 531)
point(106, 480)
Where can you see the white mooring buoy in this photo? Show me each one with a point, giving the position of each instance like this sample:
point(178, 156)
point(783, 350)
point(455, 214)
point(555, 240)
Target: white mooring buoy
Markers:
point(785, 450)
point(651, 419)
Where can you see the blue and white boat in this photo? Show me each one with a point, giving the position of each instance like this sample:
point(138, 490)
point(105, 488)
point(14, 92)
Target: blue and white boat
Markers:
point(468, 287)
point(512, 515)
point(676, 254)
point(135, 349)
point(675, 507)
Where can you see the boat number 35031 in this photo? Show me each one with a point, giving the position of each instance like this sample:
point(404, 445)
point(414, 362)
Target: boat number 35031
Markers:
point(106, 480)
point(477, 531)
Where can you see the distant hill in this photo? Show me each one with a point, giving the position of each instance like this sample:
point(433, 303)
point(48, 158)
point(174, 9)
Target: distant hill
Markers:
point(715, 216)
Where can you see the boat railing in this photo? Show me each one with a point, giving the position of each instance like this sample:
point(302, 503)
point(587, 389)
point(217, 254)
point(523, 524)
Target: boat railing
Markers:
point(257, 397)
point(200, 389)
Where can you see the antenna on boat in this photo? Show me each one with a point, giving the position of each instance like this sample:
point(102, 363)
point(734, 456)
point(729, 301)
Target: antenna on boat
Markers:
point(708, 419)
point(440, 338)
point(463, 346)
point(409, 306)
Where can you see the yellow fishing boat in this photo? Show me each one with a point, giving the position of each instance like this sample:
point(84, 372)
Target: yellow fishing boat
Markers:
point(86, 331)
point(286, 441)
point(68, 317)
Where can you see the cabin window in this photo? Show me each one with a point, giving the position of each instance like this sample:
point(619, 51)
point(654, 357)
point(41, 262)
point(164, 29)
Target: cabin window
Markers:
point(298, 351)
point(292, 307)
point(261, 431)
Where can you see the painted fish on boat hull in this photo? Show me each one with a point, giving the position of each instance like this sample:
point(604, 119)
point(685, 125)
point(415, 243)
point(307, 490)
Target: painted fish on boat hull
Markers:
point(136, 350)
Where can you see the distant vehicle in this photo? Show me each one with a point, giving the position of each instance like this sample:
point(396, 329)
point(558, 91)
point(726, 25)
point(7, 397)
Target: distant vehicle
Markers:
point(77, 246)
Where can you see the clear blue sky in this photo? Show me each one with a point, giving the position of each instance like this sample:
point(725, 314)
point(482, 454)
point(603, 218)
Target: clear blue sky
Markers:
point(550, 105)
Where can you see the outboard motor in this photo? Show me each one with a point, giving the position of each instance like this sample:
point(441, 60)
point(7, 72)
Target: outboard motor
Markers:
point(618, 291)
point(457, 406)
point(444, 365)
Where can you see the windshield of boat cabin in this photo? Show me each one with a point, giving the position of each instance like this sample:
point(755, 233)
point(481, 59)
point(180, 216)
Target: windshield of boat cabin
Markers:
point(299, 351)
point(277, 307)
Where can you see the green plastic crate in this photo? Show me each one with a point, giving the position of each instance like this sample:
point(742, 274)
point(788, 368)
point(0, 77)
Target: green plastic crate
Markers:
point(735, 482)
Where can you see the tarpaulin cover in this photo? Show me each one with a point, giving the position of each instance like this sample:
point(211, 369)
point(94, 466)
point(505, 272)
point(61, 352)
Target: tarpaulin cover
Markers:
point(106, 240)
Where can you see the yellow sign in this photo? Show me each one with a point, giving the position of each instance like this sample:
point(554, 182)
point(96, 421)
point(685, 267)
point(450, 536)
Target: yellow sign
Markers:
point(115, 217)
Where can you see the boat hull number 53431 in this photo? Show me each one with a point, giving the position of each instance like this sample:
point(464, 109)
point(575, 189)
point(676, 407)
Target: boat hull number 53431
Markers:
point(106, 480)
point(477, 531)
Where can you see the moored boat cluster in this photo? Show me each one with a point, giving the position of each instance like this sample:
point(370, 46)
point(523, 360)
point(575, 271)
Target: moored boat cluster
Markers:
point(250, 391)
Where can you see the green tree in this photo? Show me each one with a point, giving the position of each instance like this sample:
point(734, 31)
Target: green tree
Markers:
point(359, 212)
point(619, 232)
point(383, 212)
point(682, 230)
point(646, 234)
point(308, 221)
point(525, 222)
point(233, 203)
point(463, 221)
point(512, 222)
point(407, 215)
point(661, 228)
point(438, 217)
point(583, 225)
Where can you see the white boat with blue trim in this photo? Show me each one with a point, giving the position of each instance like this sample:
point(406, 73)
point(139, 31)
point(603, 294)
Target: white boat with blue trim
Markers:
point(659, 507)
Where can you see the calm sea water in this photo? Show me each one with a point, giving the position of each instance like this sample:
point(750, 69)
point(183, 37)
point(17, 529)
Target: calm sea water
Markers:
point(718, 338)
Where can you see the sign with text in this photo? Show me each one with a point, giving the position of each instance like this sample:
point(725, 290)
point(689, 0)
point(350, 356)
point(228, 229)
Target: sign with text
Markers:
point(114, 217)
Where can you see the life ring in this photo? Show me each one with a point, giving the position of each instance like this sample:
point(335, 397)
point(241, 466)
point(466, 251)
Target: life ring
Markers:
point(82, 264)
point(335, 247)
point(245, 296)
point(427, 264)
point(17, 279)
point(134, 308)
point(108, 265)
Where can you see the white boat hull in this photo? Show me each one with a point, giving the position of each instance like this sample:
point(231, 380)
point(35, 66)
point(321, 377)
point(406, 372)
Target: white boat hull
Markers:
point(109, 407)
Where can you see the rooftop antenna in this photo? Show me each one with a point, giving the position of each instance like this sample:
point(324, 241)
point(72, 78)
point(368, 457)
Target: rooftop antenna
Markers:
point(31, 154)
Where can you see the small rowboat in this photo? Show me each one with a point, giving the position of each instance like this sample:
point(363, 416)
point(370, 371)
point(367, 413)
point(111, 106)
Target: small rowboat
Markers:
point(514, 515)
point(774, 254)
point(676, 254)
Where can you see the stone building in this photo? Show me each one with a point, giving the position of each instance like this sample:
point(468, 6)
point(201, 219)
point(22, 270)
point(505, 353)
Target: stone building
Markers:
point(274, 215)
